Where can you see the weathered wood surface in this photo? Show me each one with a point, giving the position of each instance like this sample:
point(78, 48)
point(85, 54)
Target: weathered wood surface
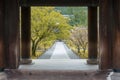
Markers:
point(105, 34)
point(11, 33)
point(25, 32)
point(92, 32)
point(116, 36)
point(59, 2)
point(2, 55)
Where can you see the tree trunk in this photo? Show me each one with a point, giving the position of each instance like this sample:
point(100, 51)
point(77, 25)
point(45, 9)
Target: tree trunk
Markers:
point(78, 49)
point(33, 51)
point(34, 46)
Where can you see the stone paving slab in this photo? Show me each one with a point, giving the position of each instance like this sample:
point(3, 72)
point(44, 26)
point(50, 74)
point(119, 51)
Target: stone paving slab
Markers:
point(114, 76)
point(59, 64)
point(55, 75)
point(3, 76)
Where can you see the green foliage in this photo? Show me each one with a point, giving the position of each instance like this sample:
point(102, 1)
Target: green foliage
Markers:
point(47, 25)
point(78, 15)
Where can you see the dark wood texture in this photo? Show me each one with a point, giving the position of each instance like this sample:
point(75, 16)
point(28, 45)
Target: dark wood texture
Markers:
point(116, 28)
point(59, 2)
point(105, 34)
point(2, 55)
point(92, 32)
point(11, 33)
point(26, 32)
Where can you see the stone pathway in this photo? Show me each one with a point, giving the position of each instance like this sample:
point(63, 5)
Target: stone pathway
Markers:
point(59, 51)
point(71, 54)
point(48, 53)
point(59, 57)
point(58, 63)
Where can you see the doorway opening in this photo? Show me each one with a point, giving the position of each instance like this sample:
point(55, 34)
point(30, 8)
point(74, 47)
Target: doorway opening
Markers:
point(59, 38)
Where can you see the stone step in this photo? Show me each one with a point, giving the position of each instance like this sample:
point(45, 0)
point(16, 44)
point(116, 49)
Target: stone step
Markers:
point(3, 76)
point(55, 75)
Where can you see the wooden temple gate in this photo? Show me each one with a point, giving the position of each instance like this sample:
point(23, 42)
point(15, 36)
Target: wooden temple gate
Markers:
point(109, 30)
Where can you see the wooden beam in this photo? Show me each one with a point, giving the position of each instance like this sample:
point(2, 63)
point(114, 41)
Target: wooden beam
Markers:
point(12, 33)
point(26, 32)
point(26, 35)
point(59, 2)
point(116, 41)
point(2, 55)
point(92, 35)
point(105, 34)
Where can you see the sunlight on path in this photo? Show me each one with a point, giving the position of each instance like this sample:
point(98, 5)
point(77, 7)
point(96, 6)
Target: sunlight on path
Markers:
point(60, 52)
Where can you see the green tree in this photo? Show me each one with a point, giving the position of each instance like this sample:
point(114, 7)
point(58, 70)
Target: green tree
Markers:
point(78, 15)
point(47, 24)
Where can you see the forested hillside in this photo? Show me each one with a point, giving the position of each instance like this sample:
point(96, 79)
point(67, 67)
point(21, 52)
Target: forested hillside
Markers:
point(78, 15)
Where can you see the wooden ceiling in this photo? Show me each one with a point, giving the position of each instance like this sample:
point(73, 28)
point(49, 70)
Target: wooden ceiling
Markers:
point(28, 3)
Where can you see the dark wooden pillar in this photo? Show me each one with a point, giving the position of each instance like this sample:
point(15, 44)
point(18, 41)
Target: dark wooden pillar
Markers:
point(26, 34)
point(11, 33)
point(92, 35)
point(2, 55)
point(105, 34)
point(116, 41)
